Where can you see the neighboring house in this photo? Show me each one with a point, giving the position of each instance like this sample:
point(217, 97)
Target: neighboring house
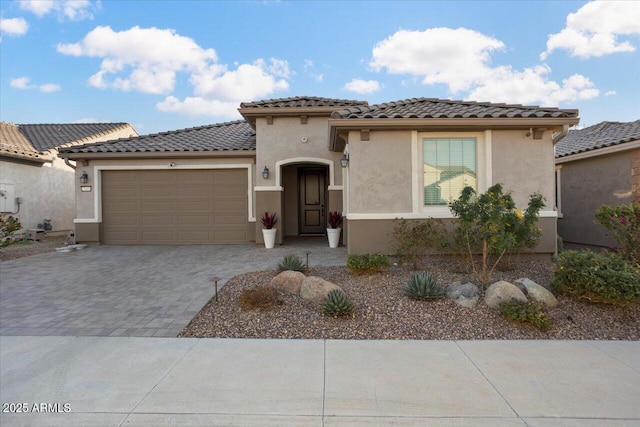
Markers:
point(210, 184)
point(595, 166)
point(32, 172)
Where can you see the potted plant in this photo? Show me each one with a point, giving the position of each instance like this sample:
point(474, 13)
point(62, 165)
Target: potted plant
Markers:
point(333, 231)
point(268, 232)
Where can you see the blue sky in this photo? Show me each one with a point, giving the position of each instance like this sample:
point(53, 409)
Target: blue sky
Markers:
point(164, 65)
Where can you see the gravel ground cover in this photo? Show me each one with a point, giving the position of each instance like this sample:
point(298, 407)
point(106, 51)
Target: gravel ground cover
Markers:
point(384, 312)
point(28, 248)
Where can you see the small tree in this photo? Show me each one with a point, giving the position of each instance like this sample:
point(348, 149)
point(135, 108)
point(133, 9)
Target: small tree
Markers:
point(489, 223)
point(623, 222)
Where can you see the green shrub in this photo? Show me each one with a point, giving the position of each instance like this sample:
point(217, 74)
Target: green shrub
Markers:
point(367, 263)
point(423, 286)
point(559, 244)
point(337, 304)
point(292, 262)
point(414, 239)
point(623, 222)
point(602, 276)
point(490, 224)
point(259, 298)
point(8, 226)
point(526, 312)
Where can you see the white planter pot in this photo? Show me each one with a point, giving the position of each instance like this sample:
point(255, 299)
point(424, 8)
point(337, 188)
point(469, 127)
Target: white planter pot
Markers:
point(334, 236)
point(269, 238)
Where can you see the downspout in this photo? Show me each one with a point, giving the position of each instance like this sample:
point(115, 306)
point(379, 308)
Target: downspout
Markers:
point(66, 162)
point(562, 134)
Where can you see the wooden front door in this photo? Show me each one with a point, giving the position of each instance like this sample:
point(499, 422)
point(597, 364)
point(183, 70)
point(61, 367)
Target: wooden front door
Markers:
point(312, 201)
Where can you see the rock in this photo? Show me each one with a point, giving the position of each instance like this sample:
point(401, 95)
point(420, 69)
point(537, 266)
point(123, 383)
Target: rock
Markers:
point(288, 282)
point(463, 293)
point(537, 292)
point(501, 292)
point(316, 289)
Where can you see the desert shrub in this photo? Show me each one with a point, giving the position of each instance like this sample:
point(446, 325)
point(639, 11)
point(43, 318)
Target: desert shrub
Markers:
point(491, 225)
point(623, 223)
point(526, 312)
point(414, 239)
point(422, 285)
point(367, 263)
point(259, 298)
point(292, 262)
point(337, 304)
point(602, 276)
point(8, 226)
point(559, 244)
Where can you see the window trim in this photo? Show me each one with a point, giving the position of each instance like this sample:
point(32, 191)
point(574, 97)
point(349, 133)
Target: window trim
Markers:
point(483, 167)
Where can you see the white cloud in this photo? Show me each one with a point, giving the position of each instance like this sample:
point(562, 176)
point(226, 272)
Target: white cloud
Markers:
point(456, 57)
point(308, 69)
point(49, 87)
point(74, 10)
point(14, 26)
point(21, 83)
point(148, 60)
point(197, 106)
point(363, 87)
point(594, 30)
point(610, 93)
point(461, 59)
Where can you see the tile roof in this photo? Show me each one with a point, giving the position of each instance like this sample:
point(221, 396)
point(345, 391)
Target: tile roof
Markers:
point(14, 144)
point(603, 134)
point(432, 108)
point(230, 136)
point(44, 137)
point(301, 102)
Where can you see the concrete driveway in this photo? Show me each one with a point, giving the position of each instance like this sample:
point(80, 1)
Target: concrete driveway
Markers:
point(130, 290)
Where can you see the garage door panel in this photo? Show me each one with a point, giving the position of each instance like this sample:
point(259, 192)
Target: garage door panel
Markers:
point(175, 206)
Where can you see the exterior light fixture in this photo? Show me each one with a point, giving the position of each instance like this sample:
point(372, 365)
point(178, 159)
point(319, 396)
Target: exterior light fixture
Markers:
point(344, 160)
point(265, 173)
point(84, 178)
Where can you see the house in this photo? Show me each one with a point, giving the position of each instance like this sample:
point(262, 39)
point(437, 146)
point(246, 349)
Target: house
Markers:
point(208, 184)
point(32, 174)
point(595, 166)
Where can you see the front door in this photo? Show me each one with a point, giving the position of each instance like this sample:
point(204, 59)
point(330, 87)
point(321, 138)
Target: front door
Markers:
point(312, 201)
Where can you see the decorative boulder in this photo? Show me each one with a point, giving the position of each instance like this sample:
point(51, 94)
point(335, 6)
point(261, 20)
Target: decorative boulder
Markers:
point(537, 292)
point(288, 282)
point(463, 293)
point(316, 289)
point(501, 292)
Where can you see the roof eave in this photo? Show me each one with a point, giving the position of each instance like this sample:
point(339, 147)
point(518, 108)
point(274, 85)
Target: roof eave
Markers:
point(160, 154)
point(39, 160)
point(251, 113)
point(601, 151)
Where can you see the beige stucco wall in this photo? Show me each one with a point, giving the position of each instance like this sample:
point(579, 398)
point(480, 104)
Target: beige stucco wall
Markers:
point(380, 172)
point(282, 140)
point(46, 192)
point(588, 184)
point(524, 165)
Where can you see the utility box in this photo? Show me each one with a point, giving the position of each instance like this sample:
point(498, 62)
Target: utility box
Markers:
point(7, 198)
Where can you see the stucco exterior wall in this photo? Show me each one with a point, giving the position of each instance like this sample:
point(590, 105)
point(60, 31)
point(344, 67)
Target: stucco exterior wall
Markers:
point(586, 185)
point(282, 140)
point(524, 165)
point(380, 172)
point(46, 192)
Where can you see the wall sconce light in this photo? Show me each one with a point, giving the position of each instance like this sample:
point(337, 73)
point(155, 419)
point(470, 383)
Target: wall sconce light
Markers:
point(344, 160)
point(265, 173)
point(84, 178)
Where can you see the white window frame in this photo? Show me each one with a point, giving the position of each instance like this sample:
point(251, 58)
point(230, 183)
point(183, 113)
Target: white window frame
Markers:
point(483, 168)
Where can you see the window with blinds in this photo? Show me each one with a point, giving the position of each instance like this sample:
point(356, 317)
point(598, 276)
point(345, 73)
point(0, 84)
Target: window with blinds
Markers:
point(449, 164)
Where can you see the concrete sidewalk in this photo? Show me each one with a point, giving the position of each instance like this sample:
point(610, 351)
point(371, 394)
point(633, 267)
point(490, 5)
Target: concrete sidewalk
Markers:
point(157, 381)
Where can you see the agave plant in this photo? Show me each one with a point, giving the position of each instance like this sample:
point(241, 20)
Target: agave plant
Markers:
point(423, 286)
point(292, 262)
point(269, 220)
point(337, 304)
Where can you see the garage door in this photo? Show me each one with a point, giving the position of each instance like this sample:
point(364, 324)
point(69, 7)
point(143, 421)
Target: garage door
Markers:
point(174, 206)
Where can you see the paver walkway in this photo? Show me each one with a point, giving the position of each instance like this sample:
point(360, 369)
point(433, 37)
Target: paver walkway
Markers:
point(130, 290)
point(232, 382)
